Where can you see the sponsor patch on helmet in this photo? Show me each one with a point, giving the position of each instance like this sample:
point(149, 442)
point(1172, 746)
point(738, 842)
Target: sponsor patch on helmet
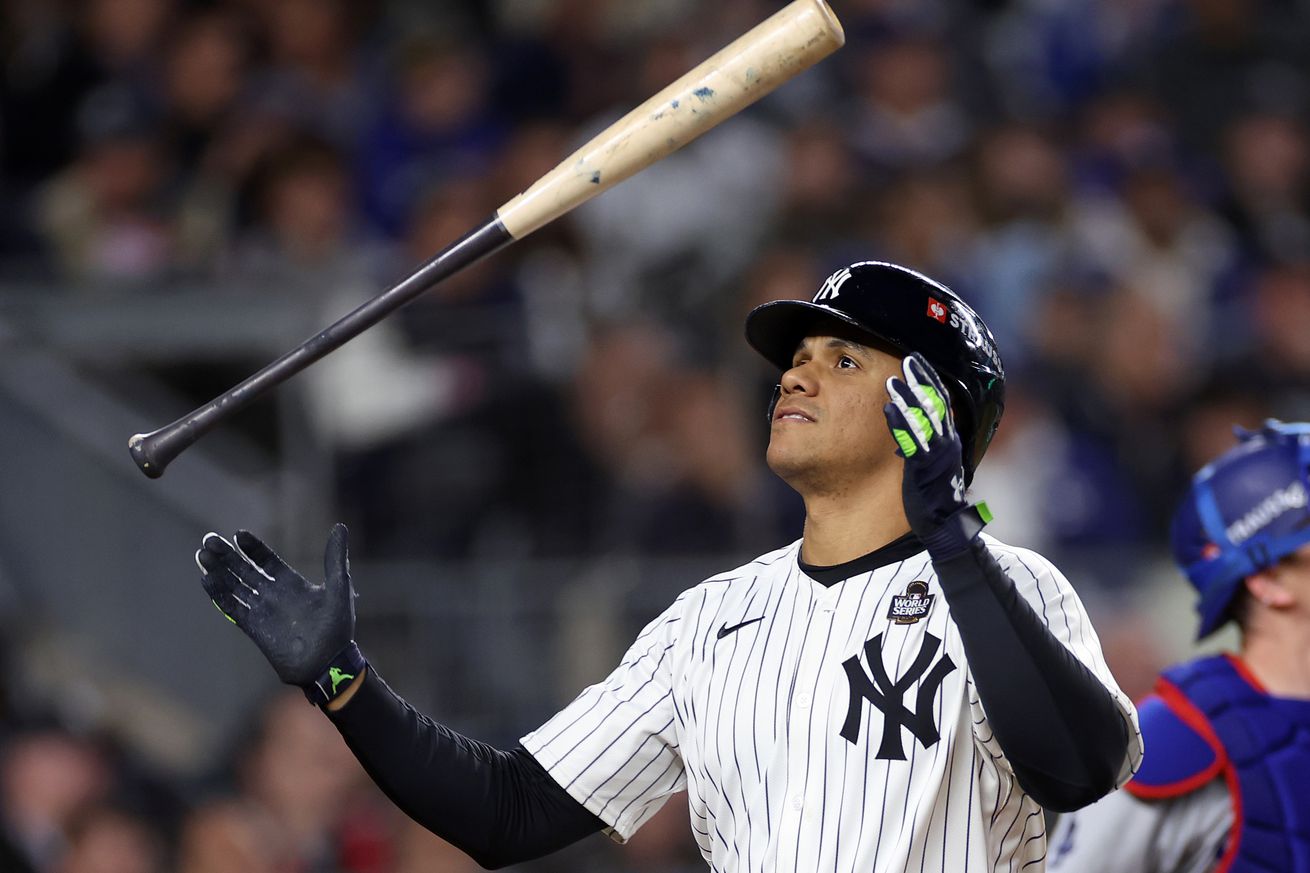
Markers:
point(937, 310)
point(911, 606)
point(1267, 511)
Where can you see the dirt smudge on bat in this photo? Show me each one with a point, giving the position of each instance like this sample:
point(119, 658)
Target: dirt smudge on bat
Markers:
point(703, 94)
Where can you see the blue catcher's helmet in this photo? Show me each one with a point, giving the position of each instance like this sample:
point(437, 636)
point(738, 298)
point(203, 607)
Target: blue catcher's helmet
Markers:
point(1245, 511)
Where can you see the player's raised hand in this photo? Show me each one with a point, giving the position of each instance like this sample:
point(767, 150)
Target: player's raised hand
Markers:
point(305, 630)
point(932, 488)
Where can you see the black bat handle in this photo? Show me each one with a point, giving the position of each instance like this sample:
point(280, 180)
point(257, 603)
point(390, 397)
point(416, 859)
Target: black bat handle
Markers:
point(154, 451)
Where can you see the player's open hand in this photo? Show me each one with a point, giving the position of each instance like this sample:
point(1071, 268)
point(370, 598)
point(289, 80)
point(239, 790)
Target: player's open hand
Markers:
point(932, 488)
point(300, 627)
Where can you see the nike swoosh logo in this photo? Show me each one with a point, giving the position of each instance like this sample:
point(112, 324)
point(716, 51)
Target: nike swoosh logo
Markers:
point(725, 630)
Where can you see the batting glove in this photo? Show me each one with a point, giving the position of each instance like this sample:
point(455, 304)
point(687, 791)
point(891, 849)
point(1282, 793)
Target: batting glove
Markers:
point(306, 631)
point(932, 487)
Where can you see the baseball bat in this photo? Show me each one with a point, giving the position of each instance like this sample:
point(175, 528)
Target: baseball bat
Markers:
point(795, 38)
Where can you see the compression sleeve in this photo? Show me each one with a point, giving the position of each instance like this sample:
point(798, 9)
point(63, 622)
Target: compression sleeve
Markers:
point(499, 807)
point(1057, 723)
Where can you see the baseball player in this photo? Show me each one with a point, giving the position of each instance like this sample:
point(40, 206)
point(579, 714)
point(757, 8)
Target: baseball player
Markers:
point(1225, 785)
point(895, 690)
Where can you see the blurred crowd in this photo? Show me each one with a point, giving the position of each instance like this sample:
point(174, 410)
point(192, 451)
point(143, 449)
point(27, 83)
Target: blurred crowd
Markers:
point(1121, 187)
point(290, 798)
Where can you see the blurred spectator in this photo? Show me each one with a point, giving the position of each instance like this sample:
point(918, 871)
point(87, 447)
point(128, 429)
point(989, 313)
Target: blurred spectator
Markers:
point(105, 216)
point(925, 220)
point(315, 77)
point(205, 76)
point(294, 806)
point(1277, 363)
point(435, 125)
point(352, 415)
point(1142, 370)
point(478, 312)
point(440, 459)
point(1133, 648)
point(1051, 57)
point(304, 236)
point(823, 196)
point(1161, 241)
point(110, 839)
point(1059, 488)
point(1267, 202)
point(1216, 59)
point(906, 114)
point(227, 837)
point(125, 36)
point(665, 242)
point(1021, 246)
point(47, 775)
point(560, 59)
point(1206, 431)
point(1114, 131)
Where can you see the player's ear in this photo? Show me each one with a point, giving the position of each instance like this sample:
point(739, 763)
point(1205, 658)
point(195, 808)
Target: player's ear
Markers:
point(1267, 587)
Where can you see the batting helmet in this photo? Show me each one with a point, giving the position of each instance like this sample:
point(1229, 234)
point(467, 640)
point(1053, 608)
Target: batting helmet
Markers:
point(912, 313)
point(1244, 512)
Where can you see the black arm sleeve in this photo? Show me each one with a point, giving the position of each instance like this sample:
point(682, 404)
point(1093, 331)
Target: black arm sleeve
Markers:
point(1058, 725)
point(499, 807)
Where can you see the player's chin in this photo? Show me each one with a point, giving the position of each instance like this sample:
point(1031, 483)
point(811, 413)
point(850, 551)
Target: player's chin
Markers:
point(787, 458)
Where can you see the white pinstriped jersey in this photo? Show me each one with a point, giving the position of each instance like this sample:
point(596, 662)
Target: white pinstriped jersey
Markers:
point(811, 731)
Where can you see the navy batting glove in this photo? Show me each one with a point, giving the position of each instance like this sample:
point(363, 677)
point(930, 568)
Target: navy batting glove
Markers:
point(932, 487)
point(306, 631)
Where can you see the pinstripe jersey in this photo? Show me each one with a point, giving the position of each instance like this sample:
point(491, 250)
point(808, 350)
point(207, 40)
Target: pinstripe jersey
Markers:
point(810, 730)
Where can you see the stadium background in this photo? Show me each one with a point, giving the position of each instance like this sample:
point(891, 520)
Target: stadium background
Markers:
point(536, 456)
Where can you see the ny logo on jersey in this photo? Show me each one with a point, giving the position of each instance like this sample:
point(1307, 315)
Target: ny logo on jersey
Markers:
point(832, 287)
point(889, 696)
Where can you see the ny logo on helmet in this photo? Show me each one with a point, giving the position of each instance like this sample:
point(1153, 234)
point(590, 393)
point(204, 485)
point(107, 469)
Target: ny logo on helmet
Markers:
point(832, 287)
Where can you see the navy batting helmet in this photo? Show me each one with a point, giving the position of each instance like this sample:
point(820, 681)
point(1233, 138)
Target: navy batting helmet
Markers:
point(911, 313)
point(1245, 511)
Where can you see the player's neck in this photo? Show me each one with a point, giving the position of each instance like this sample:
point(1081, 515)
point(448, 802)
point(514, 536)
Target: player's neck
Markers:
point(841, 527)
point(1277, 649)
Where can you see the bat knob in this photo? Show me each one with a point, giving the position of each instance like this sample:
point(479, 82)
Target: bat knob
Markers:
point(144, 450)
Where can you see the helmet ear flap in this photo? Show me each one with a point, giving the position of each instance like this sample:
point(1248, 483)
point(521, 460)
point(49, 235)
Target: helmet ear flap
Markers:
point(773, 404)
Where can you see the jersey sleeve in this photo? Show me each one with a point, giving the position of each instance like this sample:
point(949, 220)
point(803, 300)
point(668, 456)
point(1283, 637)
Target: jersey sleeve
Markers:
point(1127, 834)
point(1117, 833)
point(615, 748)
point(1051, 596)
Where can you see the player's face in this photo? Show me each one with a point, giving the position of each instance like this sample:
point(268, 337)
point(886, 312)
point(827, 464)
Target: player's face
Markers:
point(1296, 573)
point(828, 427)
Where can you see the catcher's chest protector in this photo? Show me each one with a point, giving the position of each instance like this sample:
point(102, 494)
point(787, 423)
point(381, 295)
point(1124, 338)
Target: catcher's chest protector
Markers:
point(1208, 719)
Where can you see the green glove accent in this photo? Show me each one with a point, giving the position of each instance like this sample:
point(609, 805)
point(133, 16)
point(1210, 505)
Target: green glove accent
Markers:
point(905, 441)
point(920, 418)
point(936, 400)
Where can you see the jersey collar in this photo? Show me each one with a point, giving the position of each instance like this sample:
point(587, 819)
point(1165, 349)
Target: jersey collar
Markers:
point(894, 552)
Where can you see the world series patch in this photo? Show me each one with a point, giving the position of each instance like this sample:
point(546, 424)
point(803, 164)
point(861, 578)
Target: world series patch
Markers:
point(911, 606)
